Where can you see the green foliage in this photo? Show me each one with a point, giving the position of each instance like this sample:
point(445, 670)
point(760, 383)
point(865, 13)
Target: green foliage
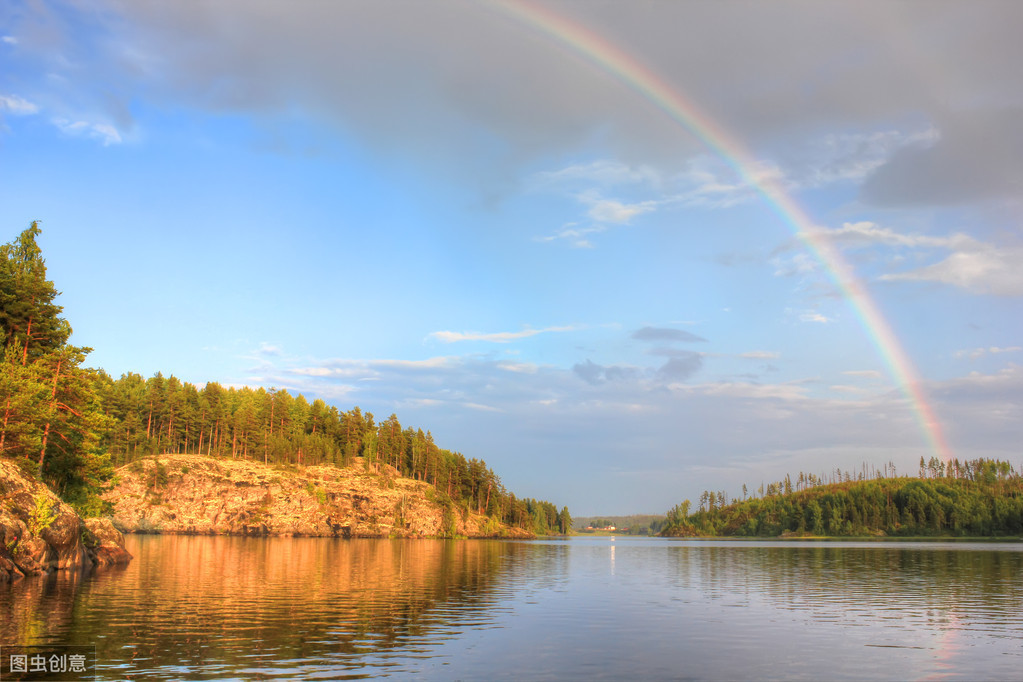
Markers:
point(400, 511)
point(977, 498)
point(88, 504)
point(676, 521)
point(73, 426)
point(158, 477)
point(449, 522)
point(162, 414)
point(42, 514)
point(50, 410)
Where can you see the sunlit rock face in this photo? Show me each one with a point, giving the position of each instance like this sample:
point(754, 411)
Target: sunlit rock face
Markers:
point(39, 533)
point(203, 495)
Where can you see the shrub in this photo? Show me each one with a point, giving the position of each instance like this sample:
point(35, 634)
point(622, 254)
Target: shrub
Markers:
point(42, 515)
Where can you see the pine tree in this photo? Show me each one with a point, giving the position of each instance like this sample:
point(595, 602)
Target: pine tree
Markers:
point(51, 412)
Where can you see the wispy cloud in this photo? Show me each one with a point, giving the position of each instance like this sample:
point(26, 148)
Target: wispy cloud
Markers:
point(866, 232)
point(991, 350)
point(970, 264)
point(738, 389)
point(761, 355)
point(868, 373)
point(602, 172)
point(844, 388)
point(518, 367)
point(613, 211)
point(815, 317)
point(16, 105)
point(708, 182)
point(978, 268)
point(665, 334)
point(269, 349)
point(851, 157)
point(495, 337)
point(799, 264)
point(575, 234)
point(481, 407)
point(429, 363)
point(103, 132)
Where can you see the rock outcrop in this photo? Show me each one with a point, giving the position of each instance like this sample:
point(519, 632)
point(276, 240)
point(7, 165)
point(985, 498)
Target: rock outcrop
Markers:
point(39, 533)
point(203, 495)
point(105, 543)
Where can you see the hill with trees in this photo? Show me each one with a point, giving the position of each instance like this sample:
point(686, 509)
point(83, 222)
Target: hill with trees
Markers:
point(631, 524)
point(980, 497)
point(71, 426)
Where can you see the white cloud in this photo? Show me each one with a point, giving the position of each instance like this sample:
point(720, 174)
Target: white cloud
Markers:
point(603, 172)
point(103, 132)
point(10, 40)
point(868, 373)
point(575, 234)
point(494, 337)
point(761, 355)
point(481, 407)
point(17, 105)
point(842, 388)
point(519, 367)
point(981, 352)
point(814, 317)
point(984, 269)
point(269, 349)
point(866, 232)
point(611, 211)
point(429, 363)
point(738, 389)
point(976, 266)
point(322, 372)
point(800, 263)
point(711, 183)
point(313, 371)
point(421, 402)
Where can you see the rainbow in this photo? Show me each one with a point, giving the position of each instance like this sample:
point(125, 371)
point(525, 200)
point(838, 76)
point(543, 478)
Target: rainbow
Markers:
point(636, 76)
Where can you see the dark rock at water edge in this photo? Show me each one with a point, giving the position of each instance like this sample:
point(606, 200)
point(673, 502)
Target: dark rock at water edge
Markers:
point(39, 533)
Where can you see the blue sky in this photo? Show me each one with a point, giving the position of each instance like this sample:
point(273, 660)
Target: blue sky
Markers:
point(435, 210)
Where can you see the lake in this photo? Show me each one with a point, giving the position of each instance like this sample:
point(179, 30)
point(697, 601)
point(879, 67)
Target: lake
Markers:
point(192, 607)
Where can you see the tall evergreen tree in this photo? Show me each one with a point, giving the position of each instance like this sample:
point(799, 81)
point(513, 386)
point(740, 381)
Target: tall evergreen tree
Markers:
point(51, 412)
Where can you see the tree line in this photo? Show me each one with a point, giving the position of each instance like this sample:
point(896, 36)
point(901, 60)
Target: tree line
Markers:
point(71, 425)
point(980, 497)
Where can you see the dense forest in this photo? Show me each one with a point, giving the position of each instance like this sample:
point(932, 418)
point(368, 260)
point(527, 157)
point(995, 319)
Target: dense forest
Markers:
point(71, 426)
point(981, 497)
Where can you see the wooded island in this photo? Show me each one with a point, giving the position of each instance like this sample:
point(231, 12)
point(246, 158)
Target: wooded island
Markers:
point(72, 426)
point(980, 498)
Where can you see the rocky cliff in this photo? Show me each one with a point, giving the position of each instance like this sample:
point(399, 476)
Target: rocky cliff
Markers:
point(195, 494)
point(39, 533)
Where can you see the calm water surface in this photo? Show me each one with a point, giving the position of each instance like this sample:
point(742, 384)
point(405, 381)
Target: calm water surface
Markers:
point(584, 608)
